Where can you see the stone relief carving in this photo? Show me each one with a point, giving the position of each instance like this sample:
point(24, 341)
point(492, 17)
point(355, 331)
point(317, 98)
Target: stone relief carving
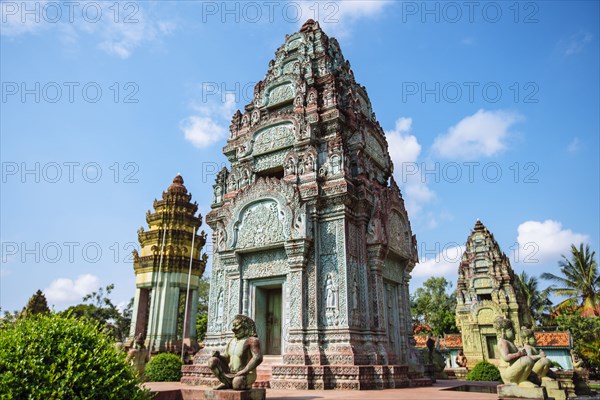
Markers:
point(264, 264)
point(273, 138)
point(397, 232)
point(281, 93)
point(261, 224)
point(268, 161)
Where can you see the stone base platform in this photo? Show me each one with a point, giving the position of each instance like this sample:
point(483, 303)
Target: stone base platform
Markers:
point(456, 373)
point(510, 392)
point(321, 377)
point(554, 390)
point(439, 391)
point(209, 394)
point(252, 394)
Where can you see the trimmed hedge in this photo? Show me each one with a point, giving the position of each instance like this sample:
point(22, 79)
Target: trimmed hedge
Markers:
point(484, 371)
point(164, 367)
point(49, 356)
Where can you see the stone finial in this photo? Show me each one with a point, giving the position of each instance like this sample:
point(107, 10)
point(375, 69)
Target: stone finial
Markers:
point(177, 186)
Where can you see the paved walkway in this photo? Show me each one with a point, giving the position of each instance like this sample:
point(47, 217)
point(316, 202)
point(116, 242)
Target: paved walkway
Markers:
point(435, 392)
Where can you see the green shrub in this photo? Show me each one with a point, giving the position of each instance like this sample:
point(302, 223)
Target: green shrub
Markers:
point(554, 364)
point(49, 356)
point(484, 371)
point(164, 367)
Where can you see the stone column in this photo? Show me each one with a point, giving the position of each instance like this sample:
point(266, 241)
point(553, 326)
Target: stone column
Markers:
point(376, 259)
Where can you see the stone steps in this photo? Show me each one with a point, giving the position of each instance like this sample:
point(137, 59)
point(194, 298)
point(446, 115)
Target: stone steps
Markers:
point(263, 372)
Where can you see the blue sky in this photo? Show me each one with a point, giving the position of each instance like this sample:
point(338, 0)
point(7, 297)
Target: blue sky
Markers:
point(490, 109)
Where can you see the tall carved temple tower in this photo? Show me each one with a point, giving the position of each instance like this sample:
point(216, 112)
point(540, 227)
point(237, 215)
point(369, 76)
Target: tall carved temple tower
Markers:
point(311, 236)
point(161, 272)
point(485, 290)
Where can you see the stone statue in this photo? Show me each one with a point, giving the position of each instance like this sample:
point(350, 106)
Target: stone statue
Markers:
point(515, 365)
point(138, 356)
point(542, 363)
point(461, 359)
point(577, 362)
point(236, 367)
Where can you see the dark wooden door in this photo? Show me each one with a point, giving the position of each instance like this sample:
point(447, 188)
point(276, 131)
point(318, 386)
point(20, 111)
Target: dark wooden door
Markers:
point(273, 345)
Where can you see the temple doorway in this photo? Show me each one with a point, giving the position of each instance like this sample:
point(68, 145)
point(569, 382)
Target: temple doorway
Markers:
point(268, 313)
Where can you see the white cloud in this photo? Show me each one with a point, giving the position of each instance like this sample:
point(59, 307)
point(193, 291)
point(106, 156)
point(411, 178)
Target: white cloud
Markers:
point(444, 263)
point(118, 29)
point(202, 131)
point(573, 146)
point(575, 43)
point(404, 150)
point(482, 134)
point(210, 124)
point(15, 21)
point(65, 290)
point(338, 17)
point(403, 146)
point(543, 242)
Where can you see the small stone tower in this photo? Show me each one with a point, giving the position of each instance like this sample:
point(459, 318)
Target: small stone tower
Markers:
point(162, 269)
point(485, 290)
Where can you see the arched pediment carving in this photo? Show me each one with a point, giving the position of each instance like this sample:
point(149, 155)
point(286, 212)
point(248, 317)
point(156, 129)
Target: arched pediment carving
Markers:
point(262, 214)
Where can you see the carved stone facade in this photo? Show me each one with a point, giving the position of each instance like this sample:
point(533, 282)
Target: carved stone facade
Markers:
point(162, 272)
point(309, 216)
point(485, 290)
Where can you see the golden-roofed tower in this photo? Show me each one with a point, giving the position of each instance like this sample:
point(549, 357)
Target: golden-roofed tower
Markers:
point(162, 268)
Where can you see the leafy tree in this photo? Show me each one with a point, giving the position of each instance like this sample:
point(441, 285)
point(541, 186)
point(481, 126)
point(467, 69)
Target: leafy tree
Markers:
point(37, 304)
point(537, 301)
point(584, 331)
point(433, 306)
point(580, 280)
point(202, 316)
point(52, 356)
point(8, 318)
point(98, 306)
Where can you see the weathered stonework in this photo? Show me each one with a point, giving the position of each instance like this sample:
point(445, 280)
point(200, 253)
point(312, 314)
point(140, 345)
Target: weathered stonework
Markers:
point(309, 211)
point(485, 290)
point(161, 272)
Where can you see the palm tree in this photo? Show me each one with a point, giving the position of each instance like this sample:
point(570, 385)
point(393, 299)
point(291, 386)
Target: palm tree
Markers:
point(537, 301)
point(580, 280)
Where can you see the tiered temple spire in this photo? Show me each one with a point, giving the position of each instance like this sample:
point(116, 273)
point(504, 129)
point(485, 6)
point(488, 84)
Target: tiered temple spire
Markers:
point(311, 236)
point(485, 290)
point(162, 268)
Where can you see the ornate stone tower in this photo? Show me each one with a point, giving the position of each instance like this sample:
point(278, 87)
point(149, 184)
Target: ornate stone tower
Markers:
point(311, 236)
point(485, 290)
point(161, 276)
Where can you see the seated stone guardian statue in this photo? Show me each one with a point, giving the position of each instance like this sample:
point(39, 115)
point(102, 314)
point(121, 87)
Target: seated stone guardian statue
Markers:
point(461, 359)
point(542, 363)
point(236, 367)
point(515, 365)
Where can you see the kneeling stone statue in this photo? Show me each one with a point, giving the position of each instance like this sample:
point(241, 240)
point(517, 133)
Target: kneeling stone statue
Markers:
point(236, 367)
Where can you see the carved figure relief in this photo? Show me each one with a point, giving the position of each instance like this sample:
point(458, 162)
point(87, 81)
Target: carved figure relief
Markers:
point(220, 305)
point(281, 93)
point(273, 138)
point(331, 293)
point(261, 224)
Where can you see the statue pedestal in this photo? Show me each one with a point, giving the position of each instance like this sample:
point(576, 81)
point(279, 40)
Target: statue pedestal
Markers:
point(554, 390)
point(209, 394)
point(506, 392)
